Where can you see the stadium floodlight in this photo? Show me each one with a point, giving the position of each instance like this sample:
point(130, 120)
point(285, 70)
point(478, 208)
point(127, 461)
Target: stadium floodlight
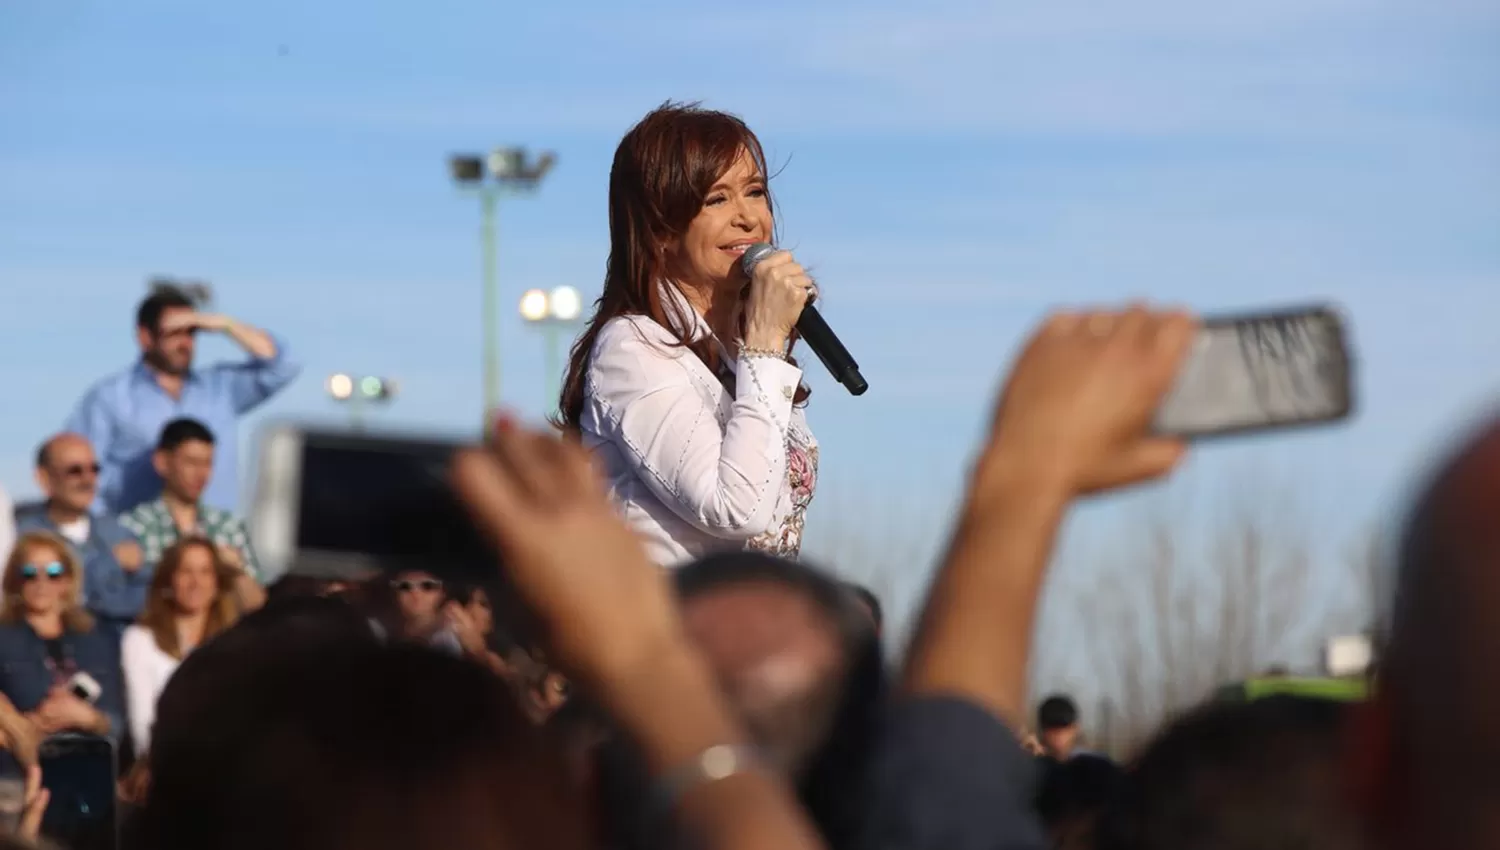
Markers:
point(504, 169)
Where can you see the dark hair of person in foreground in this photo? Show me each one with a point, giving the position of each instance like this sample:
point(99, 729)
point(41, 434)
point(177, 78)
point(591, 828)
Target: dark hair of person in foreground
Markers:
point(297, 729)
point(1261, 775)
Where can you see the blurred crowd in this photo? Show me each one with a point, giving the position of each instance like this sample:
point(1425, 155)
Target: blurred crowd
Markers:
point(582, 697)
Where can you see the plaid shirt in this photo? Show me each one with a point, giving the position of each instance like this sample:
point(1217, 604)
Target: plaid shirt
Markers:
point(153, 525)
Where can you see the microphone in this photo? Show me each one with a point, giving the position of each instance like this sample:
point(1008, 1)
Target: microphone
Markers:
point(820, 338)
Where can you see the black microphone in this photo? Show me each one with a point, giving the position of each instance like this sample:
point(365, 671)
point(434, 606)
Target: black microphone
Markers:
point(820, 338)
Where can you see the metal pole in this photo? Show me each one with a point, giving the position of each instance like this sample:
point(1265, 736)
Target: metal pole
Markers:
point(357, 410)
point(488, 197)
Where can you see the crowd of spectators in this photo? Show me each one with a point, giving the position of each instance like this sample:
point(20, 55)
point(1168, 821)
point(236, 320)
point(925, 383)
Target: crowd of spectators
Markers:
point(741, 701)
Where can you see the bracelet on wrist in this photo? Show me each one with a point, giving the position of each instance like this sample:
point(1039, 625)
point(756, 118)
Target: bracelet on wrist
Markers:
point(749, 352)
point(714, 764)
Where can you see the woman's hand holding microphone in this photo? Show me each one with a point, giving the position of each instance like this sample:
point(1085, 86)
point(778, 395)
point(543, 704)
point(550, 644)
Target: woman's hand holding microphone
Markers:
point(779, 289)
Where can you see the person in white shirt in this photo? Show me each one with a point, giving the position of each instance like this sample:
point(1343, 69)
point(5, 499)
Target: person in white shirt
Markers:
point(7, 525)
point(191, 600)
point(683, 383)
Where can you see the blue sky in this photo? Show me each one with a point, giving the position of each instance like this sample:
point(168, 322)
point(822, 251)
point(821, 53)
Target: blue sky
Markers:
point(951, 169)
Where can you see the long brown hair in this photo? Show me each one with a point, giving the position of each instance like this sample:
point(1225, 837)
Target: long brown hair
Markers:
point(12, 609)
point(662, 171)
point(160, 615)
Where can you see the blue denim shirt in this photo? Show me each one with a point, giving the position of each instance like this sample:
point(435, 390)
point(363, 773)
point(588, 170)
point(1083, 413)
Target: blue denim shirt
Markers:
point(123, 414)
point(108, 590)
point(25, 678)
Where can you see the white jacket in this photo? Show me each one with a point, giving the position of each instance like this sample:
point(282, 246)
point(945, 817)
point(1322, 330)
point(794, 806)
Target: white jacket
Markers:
point(692, 467)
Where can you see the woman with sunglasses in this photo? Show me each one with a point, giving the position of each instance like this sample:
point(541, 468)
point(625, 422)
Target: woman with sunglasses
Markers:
point(192, 598)
point(55, 666)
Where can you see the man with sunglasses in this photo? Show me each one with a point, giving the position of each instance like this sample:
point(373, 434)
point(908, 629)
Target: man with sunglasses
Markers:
point(115, 574)
point(418, 613)
point(123, 414)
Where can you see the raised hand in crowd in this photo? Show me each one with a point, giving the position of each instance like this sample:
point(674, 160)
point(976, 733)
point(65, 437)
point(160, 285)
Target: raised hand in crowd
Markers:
point(1074, 419)
point(33, 806)
point(611, 624)
point(470, 639)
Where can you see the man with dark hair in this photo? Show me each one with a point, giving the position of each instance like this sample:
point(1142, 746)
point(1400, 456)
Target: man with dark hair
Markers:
point(115, 575)
point(1073, 783)
point(123, 414)
point(1057, 725)
point(1262, 775)
point(184, 459)
point(297, 729)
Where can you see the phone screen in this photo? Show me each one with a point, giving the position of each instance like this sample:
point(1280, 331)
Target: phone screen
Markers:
point(384, 504)
point(80, 774)
point(1261, 371)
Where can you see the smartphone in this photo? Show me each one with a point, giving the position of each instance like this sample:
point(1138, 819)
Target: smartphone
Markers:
point(1260, 371)
point(85, 687)
point(349, 506)
point(79, 771)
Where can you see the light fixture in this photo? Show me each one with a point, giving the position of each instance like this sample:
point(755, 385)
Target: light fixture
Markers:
point(566, 304)
point(507, 163)
point(534, 305)
point(340, 386)
point(466, 168)
point(505, 170)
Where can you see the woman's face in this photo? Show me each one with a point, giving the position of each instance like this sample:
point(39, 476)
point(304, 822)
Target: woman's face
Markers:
point(46, 583)
point(735, 215)
point(195, 583)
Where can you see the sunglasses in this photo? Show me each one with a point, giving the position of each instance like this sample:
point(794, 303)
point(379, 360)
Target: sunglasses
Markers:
point(54, 571)
point(78, 470)
point(427, 584)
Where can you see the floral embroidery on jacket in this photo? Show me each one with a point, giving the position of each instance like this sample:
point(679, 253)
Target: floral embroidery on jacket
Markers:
point(802, 476)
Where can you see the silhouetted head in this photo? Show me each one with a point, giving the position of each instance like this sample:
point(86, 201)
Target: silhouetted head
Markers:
point(298, 729)
point(1434, 718)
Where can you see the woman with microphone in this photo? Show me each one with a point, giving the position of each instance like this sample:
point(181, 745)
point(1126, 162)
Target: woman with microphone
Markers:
point(683, 382)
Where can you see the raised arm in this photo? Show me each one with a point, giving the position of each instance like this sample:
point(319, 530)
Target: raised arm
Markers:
point(267, 372)
point(1073, 420)
point(649, 397)
point(609, 620)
